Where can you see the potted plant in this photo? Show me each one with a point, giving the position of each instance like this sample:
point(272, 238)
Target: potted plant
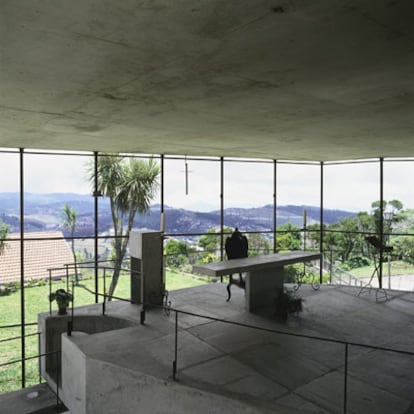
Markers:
point(287, 302)
point(62, 299)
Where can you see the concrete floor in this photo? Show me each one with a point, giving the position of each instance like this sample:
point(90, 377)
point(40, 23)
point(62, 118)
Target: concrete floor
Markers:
point(38, 399)
point(272, 372)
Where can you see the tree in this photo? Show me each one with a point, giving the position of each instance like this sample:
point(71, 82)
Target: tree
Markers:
point(393, 207)
point(130, 184)
point(288, 237)
point(258, 244)
point(176, 253)
point(69, 221)
point(210, 242)
point(349, 238)
point(4, 230)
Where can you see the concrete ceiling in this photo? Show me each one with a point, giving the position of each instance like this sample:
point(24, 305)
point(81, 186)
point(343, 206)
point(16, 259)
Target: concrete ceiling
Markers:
point(282, 79)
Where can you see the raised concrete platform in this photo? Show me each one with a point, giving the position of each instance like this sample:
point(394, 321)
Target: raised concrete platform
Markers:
point(230, 368)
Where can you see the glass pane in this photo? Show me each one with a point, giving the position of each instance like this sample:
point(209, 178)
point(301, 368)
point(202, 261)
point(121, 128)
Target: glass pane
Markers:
point(10, 287)
point(191, 195)
point(9, 228)
point(298, 206)
point(248, 195)
point(136, 195)
point(351, 192)
point(399, 196)
point(56, 187)
point(351, 188)
point(180, 253)
point(399, 225)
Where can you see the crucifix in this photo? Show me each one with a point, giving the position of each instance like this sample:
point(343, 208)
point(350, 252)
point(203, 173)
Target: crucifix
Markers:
point(186, 171)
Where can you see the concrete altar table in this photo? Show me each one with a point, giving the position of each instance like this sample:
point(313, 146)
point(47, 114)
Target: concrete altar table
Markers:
point(264, 274)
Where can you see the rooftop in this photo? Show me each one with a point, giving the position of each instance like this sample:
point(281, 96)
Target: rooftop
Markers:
point(42, 251)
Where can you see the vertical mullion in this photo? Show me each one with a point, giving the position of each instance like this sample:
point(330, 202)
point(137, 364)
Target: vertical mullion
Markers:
point(162, 185)
point(381, 235)
point(221, 208)
point(96, 223)
point(321, 233)
point(22, 292)
point(274, 205)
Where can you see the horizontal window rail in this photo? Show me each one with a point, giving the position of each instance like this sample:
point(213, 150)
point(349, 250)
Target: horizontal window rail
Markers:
point(14, 338)
point(18, 325)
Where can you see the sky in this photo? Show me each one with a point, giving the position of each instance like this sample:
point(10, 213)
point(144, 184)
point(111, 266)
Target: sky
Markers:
point(351, 187)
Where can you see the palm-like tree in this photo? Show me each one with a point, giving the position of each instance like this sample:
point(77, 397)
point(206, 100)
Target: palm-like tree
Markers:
point(130, 184)
point(69, 221)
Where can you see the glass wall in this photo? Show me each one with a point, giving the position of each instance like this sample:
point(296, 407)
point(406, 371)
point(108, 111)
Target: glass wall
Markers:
point(203, 199)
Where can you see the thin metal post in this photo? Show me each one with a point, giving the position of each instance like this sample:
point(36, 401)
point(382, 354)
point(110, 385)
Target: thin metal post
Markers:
point(50, 291)
point(330, 265)
point(381, 223)
point(221, 208)
point(67, 277)
point(39, 363)
point(162, 184)
point(104, 286)
point(221, 211)
point(96, 224)
point(274, 206)
point(346, 379)
point(57, 377)
point(22, 288)
point(175, 348)
point(142, 315)
point(71, 322)
point(321, 226)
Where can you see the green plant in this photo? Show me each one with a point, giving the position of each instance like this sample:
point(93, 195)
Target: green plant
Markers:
point(287, 302)
point(357, 261)
point(4, 290)
point(62, 299)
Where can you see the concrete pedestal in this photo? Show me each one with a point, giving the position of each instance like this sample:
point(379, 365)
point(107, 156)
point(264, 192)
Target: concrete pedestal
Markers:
point(147, 273)
point(261, 287)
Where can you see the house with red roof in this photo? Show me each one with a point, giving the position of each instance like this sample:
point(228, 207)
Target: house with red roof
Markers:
point(42, 251)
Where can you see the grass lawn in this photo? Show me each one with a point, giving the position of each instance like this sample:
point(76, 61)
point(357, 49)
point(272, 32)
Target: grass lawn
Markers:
point(397, 268)
point(36, 301)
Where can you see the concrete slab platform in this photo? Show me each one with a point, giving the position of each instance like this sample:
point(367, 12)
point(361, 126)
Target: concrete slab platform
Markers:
point(36, 399)
point(278, 371)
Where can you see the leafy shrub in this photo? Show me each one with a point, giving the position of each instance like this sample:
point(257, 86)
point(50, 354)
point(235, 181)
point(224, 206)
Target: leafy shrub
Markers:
point(5, 290)
point(292, 273)
point(287, 302)
point(355, 262)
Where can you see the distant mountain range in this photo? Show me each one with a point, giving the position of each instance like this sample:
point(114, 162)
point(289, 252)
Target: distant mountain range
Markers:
point(43, 212)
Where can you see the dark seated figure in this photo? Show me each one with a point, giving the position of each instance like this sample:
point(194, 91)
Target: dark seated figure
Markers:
point(236, 247)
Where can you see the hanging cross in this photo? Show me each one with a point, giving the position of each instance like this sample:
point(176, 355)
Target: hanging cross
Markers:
point(186, 171)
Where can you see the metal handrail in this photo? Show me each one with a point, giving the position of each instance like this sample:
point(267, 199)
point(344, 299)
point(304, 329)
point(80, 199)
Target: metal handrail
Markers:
point(346, 345)
point(168, 309)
